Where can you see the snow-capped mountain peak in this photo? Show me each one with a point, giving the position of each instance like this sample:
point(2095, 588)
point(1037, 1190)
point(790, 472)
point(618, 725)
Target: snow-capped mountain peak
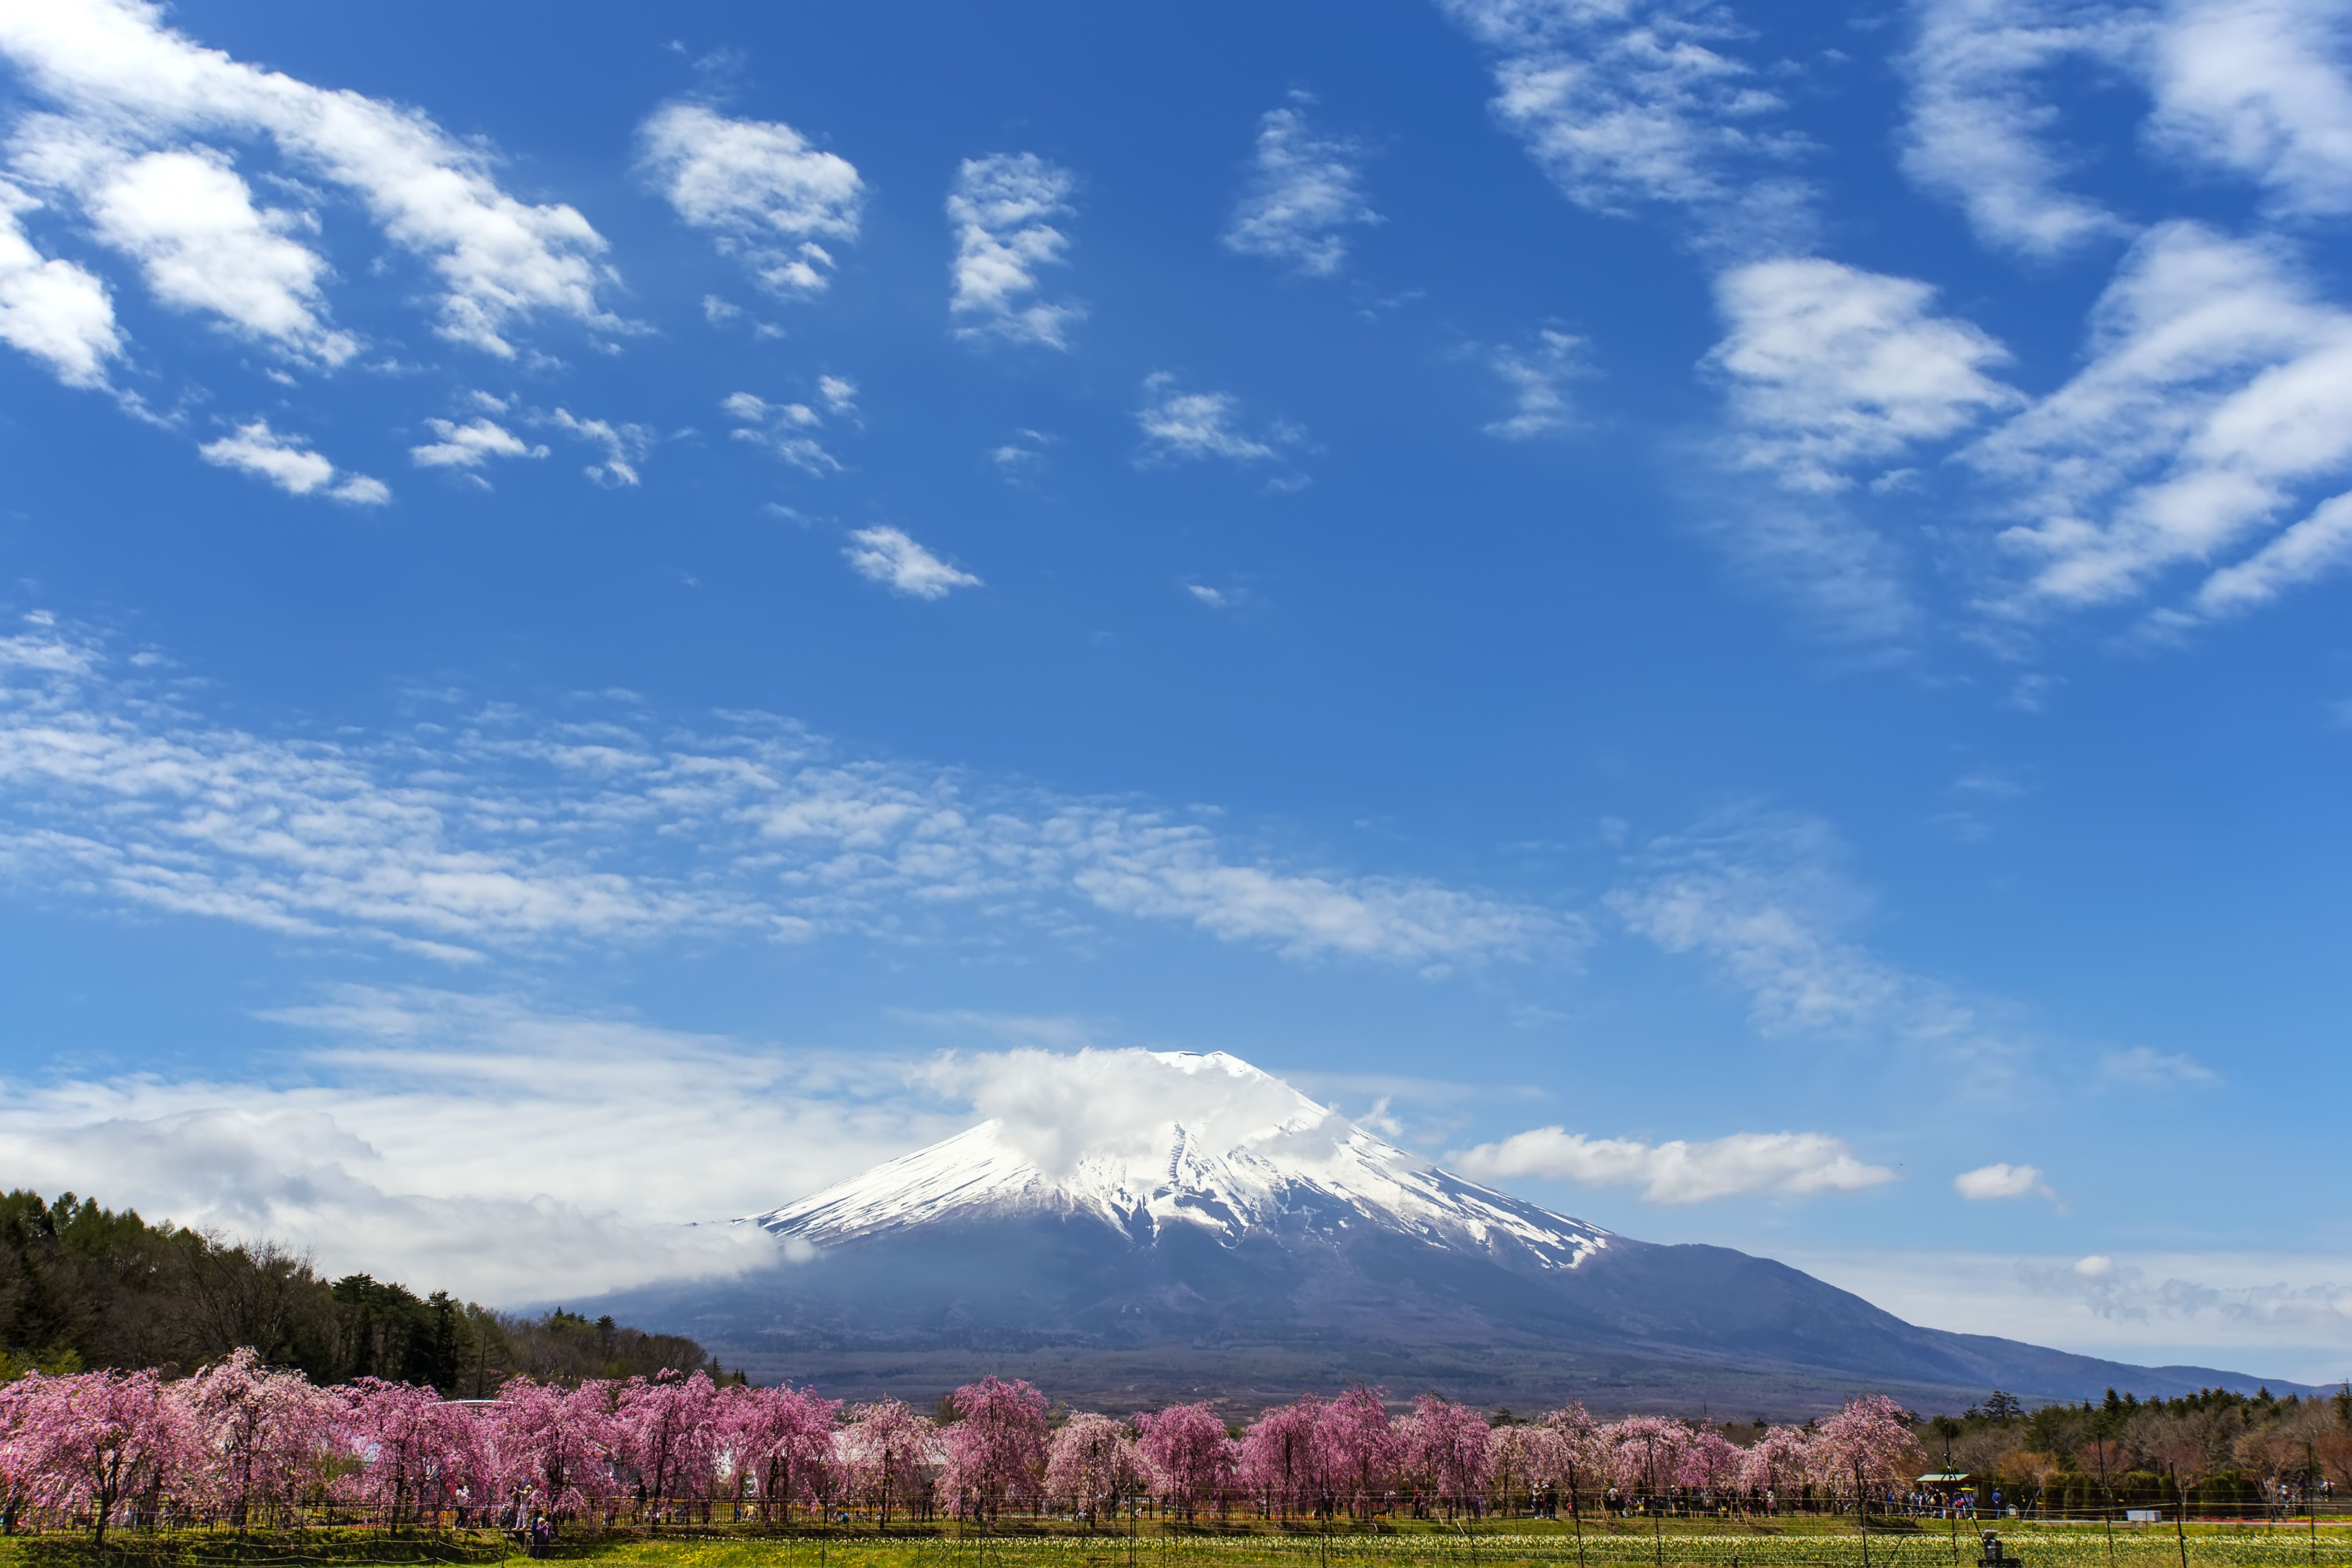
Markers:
point(1145, 1141)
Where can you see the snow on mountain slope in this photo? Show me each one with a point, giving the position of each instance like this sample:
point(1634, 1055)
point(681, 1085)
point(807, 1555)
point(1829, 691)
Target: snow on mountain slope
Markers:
point(1237, 1151)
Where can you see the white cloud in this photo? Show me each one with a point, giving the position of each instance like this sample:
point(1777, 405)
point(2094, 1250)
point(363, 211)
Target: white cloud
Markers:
point(2150, 1309)
point(2312, 548)
point(2001, 1181)
point(1978, 129)
point(1830, 368)
point(2146, 1296)
point(2143, 1066)
point(760, 186)
point(787, 429)
point(1018, 460)
point(1538, 378)
point(1189, 425)
point(2218, 388)
point(1177, 873)
point(1213, 598)
point(1815, 550)
point(840, 393)
point(475, 1145)
point(1762, 897)
point(505, 831)
point(1002, 208)
point(127, 80)
point(49, 309)
point(1678, 1172)
point(1119, 1105)
point(287, 462)
point(1638, 101)
point(470, 445)
point(625, 446)
point(1305, 191)
point(2253, 87)
point(888, 556)
point(2258, 88)
point(189, 220)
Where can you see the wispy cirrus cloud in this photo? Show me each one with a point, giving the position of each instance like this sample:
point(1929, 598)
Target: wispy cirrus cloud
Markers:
point(1763, 897)
point(1003, 209)
point(1186, 426)
point(470, 445)
point(1304, 192)
point(1647, 105)
point(1982, 130)
point(1539, 375)
point(770, 197)
point(2217, 397)
point(790, 430)
point(2242, 88)
point(1743, 1164)
point(1837, 381)
point(2259, 89)
point(625, 444)
point(290, 462)
point(2206, 431)
point(888, 556)
point(511, 834)
point(2144, 1067)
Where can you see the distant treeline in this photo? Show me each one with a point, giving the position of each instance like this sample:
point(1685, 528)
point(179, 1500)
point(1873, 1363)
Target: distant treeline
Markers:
point(2216, 1448)
point(83, 1287)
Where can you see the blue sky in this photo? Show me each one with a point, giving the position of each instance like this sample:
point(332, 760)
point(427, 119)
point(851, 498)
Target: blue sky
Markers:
point(1729, 617)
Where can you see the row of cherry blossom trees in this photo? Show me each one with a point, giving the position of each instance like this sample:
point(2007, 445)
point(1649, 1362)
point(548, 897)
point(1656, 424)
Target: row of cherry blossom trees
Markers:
point(1349, 1453)
point(243, 1444)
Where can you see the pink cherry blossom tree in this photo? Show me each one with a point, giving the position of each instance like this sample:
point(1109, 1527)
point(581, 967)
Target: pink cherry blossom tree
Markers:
point(405, 1441)
point(1357, 1444)
point(258, 1438)
point(888, 1451)
point(485, 1462)
point(782, 1439)
point(15, 1474)
point(1522, 1458)
point(1450, 1444)
point(559, 1443)
point(667, 1430)
point(1091, 1463)
point(1188, 1448)
point(1865, 1449)
point(1776, 1463)
point(1281, 1459)
point(1583, 1452)
point(995, 1450)
point(1711, 1465)
point(96, 1439)
point(1650, 1451)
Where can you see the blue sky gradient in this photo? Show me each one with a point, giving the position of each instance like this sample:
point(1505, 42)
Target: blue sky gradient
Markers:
point(1730, 617)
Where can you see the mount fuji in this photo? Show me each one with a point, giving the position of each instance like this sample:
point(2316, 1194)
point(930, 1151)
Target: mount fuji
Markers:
point(1182, 1223)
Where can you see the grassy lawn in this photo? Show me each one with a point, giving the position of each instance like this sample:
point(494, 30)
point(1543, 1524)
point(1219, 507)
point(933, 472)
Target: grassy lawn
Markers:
point(1622, 1543)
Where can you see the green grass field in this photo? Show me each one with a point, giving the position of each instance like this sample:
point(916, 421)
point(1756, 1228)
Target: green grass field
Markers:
point(1495, 1545)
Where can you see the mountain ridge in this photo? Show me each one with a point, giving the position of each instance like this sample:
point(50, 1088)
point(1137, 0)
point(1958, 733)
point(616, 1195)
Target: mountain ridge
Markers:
point(1235, 1235)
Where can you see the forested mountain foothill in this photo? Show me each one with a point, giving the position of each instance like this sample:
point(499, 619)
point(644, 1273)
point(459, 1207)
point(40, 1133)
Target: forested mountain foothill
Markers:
point(82, 1285)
